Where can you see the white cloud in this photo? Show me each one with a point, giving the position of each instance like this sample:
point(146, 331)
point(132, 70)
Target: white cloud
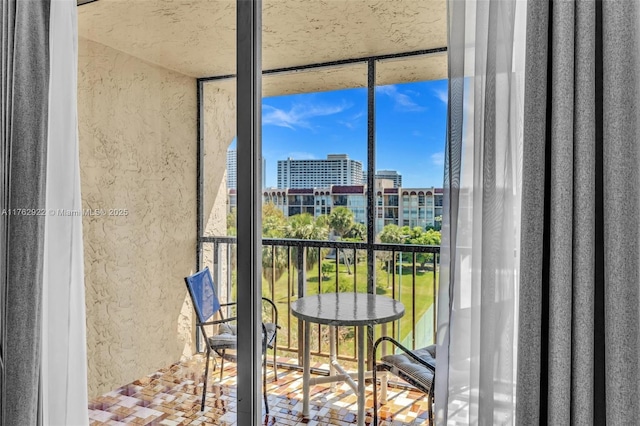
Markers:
point(386, 90)
point(442, 95)
point(403, 102)
point(351, 122)
point(299, 115)
point(438, 158)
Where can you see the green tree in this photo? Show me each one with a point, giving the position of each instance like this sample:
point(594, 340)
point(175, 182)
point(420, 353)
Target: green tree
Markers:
point(274, 259)
point(274, 223)
point(358, 232)
point(327, 268)
point(323, 221)
point(391, 234)
point(341, 220)
point(304, 227)
point(231, 223)
point(438, 222)
point(429, 238)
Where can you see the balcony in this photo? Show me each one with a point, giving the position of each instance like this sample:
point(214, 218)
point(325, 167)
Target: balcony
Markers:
point(156, 113)
point(293, 268)
point(171, 396)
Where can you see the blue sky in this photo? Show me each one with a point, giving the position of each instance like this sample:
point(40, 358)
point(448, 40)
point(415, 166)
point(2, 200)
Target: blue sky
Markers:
point(410, 129)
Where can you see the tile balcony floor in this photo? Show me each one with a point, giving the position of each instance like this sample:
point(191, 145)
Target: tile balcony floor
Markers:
point(171, 396)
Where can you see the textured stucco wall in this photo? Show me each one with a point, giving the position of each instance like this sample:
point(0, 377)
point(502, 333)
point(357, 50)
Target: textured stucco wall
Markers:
point(219, 102)
point(197, 37)
point(137, 127)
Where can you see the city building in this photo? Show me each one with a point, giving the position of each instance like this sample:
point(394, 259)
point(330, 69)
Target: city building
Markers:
point(392, 175)
point(399, 206)
point(408, 206)
point(336, 169)
point(232, 169)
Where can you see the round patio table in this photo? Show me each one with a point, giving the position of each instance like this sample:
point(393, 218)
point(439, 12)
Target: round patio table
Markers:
point(342, 309)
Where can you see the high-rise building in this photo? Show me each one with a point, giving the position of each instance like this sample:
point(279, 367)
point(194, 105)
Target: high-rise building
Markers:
point(232, 170)
point(337, 169)
point(391, 175)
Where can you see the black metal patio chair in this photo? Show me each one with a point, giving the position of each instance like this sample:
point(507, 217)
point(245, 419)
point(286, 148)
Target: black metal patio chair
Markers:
point(418, 368)
point(224, 341)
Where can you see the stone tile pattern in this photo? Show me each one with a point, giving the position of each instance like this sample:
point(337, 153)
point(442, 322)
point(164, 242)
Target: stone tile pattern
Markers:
point(171, 397)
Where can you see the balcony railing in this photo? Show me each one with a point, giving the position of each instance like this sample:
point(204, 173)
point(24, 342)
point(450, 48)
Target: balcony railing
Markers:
point(294, 268)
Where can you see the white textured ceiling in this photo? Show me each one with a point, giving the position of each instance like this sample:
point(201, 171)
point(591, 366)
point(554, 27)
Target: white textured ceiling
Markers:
point(197, 37)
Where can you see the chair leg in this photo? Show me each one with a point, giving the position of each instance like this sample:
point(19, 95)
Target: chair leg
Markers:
point(431, 410)
point(222, 364)
point(375, 397)
point(275, 364)
point(264, 384)
point(431, 416)
point(206, 374)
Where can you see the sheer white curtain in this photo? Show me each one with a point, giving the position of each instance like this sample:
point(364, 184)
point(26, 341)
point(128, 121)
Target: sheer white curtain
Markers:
point(478, 294)
point(64, 360)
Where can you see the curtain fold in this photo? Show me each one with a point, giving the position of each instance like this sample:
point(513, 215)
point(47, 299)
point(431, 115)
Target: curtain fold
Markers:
point(478, 293)
point(25, 85)
point(43, 345)
point(579, 335)
point(64, 352)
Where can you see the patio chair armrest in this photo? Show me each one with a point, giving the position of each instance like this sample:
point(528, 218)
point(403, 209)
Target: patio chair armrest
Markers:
point(214, 322)
point(275, 309)
point(264, 338)
point(403, 349)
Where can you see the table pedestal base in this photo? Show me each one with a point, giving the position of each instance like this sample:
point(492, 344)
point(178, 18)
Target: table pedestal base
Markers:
point(358, 387)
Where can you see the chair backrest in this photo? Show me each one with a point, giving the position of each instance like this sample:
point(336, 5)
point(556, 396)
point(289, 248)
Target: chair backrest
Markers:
point(203, 294)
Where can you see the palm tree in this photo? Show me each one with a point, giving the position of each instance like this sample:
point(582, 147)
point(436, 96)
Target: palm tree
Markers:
point(341, 221)
point(304, 227)
point(274, 261)
point(391, 234)
point(358, 232)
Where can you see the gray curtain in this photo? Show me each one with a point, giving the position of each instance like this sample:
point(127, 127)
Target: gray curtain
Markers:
point(579, 284)
point(24, 93)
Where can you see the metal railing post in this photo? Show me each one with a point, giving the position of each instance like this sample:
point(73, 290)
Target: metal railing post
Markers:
point(371, 167)
point(302, 280)
point(435, 297)
point(217, 271)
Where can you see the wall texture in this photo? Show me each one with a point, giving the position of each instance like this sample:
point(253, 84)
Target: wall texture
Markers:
point(219, 103)
point(137, 152)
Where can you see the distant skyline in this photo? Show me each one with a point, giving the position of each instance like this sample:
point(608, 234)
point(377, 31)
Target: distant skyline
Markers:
point(410, 129)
